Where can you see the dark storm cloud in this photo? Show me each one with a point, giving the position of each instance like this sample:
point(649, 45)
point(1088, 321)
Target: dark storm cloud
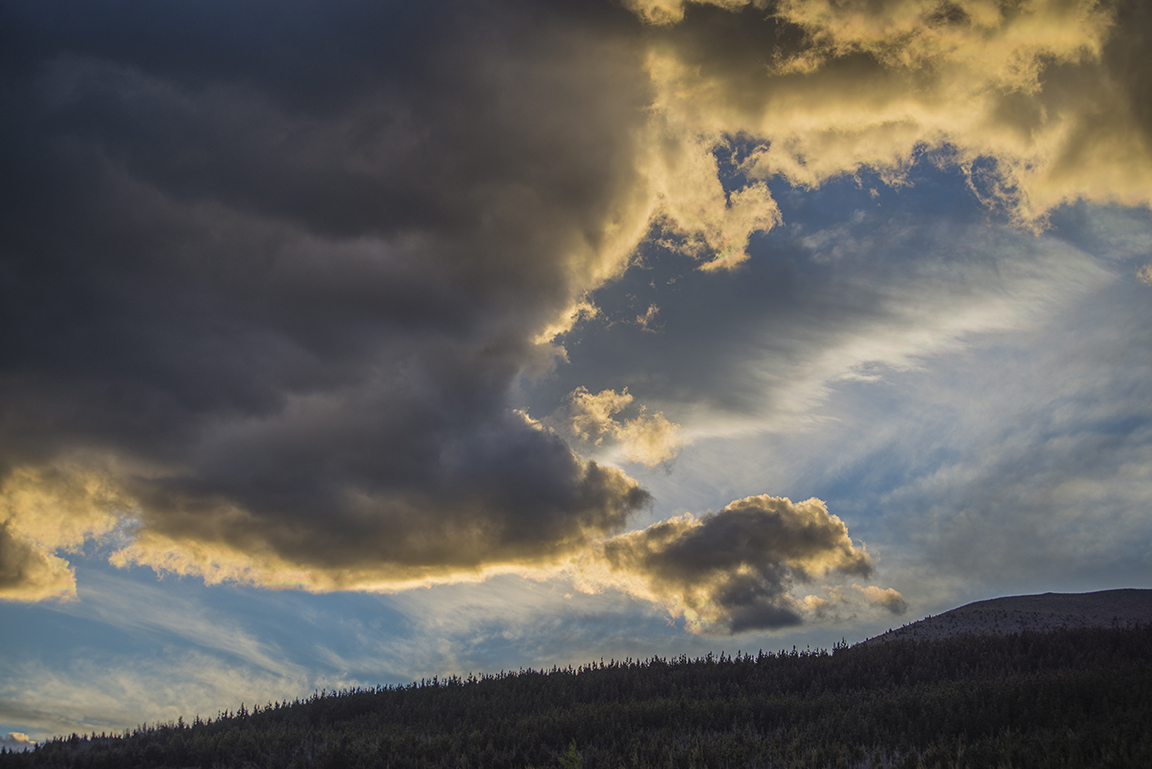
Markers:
point(733, 570)
point(1126, 61)
point(270, 271)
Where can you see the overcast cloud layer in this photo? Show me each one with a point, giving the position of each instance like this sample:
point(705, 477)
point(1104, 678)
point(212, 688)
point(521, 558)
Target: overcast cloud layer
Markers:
point(362, 296)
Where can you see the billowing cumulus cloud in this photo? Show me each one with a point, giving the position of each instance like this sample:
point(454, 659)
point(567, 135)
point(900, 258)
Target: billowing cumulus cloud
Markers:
point(1035, 99)
point(274, 285)
point(733, 570)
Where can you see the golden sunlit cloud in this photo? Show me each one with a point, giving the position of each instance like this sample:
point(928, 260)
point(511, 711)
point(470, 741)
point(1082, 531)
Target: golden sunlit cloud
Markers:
point(221, 563)
point(887, 598)
point(28, 572)
point(672, 11)
point(1021, 87)
point(17, 742)
point(44, 511)
point(688, 200)
point(382, 541)
point(580, 310)
point(839, 603)
point(723, 573)
point(1030, 99)
point(647, 439)
point(404, 541)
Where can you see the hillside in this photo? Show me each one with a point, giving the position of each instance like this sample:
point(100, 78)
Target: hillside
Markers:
point(1048, 611)
point(1066, 698)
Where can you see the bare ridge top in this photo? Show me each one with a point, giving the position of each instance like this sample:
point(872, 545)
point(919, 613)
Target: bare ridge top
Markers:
point(1047, 611)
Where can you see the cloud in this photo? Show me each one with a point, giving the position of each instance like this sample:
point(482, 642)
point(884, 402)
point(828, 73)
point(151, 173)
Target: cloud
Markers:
point(729, 571)
point(672, 11)
point(110, 693)
point(282, 315)
point(873, 294)
point(511, 622)
point(1034, 99)
point(17, 742)
point(149, 609)
point(45, 511)
point(29, 572)
point(496, 499)
point(48, 510)
point(648, 439)
point(1014, 463)
point(278, 298)
point(839, 604)
point(646, 320)
point(689, 202)
point(887, 598)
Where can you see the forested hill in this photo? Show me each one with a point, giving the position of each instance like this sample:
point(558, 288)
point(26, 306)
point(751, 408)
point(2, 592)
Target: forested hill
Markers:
point(1049, 611)
point(1066, 698)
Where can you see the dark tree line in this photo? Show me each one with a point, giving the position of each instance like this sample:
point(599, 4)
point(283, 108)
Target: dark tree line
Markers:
point(1068, 698)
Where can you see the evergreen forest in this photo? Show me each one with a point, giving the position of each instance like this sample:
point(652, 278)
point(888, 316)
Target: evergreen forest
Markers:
point(1065, 698)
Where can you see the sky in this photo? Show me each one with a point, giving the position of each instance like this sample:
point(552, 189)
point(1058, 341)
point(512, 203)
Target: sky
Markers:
point(357, 342)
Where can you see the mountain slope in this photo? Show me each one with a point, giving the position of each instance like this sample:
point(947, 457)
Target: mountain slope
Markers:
point(1048, 611)
point(1067, 698)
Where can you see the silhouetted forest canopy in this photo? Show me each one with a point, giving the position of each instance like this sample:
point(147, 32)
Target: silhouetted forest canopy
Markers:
point(1066, 698)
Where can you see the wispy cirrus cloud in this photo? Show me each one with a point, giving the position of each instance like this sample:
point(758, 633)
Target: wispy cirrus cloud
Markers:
point(106, 693)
